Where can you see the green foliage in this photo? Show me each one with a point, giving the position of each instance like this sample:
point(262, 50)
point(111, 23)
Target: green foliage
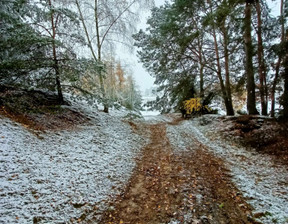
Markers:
point(26, 43)
point(20, 101)
point(164, 54)
point(221, 205)
point(21, 46)
point(179, 49)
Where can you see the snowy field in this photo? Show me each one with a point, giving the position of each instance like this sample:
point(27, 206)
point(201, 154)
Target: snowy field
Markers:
point(58, 177)
point(263, 183)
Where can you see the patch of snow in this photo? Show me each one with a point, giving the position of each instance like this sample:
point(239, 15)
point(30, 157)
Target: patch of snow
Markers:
point(262, 182)
point(159, 118)
point(148, 113)
point(59, 175)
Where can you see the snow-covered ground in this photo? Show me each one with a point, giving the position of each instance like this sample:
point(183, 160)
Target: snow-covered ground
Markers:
point(262, 182)
point(61, 176)
point(57, 176)
point(148, 113)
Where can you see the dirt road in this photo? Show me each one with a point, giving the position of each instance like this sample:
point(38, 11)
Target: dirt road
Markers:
point(174, 186)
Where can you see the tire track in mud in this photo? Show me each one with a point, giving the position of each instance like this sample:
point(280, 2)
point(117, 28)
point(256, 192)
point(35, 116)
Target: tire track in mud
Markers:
point(187, 187)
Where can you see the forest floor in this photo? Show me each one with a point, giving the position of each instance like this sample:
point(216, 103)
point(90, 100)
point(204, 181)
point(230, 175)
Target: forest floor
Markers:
point(106, 168)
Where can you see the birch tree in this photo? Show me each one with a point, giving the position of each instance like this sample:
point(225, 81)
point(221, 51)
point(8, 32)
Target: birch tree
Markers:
point(107, 22)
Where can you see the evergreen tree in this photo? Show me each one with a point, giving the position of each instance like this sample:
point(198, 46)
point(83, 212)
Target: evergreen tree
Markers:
point(249, 69)
point(56, 21)
point(176, 49)
point(132, 97)
point(261, 61)
point(285, 65)
point(279, 55)
point(168, 53)
point(38, 43)
point(22, 47)
point(216, 19)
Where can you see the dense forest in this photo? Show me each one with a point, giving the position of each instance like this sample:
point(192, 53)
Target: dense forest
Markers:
point(232, 49)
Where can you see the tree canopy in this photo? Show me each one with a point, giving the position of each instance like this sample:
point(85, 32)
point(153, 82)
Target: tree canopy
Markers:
point(228, 47)
point(44, 44)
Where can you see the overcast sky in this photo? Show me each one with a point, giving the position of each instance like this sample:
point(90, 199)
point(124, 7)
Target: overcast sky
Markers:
point(142, 78)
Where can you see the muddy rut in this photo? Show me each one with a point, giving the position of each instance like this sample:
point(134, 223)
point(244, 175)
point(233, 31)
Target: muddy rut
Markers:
point(169, 187)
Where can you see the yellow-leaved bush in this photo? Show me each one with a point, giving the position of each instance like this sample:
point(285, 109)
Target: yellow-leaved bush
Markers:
point(194, 105)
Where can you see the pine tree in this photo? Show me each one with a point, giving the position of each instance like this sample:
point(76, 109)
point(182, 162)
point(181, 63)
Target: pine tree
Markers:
point(285, 64)
point(175, 50)
point(56, 21)
point(285, 76)
point(170, 52)
point(251, 97)
point(22, 47)
point(261, 61)
point(39, 39)
point(218, 21)
point(279, 60)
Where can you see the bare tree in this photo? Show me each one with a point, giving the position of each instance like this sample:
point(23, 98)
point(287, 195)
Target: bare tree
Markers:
point(112, 21)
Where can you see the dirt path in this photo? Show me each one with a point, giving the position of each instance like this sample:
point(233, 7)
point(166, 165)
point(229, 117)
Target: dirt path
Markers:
point(168, 187)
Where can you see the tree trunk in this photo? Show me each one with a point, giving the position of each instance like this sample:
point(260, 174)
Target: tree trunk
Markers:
point(56, 64)
point(99, 47)
point(201, 65)
point(230, 110)
point(277, 68)
point(228, 104)
point(275, 81)
point(285, 94)
point(251, 98)
point(98, 57)
point(201, 80)
point(86, 31)
point(261, 62)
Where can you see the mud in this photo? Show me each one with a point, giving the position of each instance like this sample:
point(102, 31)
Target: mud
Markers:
point(167, 187)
